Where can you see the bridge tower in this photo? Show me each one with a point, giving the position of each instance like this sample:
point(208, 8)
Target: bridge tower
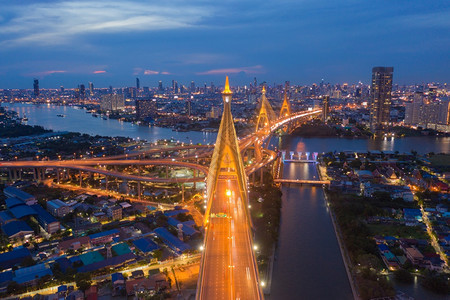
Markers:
point(266, 114)
point(285, 111)
point(226, 160)
point(228, 266)
point(286, 107)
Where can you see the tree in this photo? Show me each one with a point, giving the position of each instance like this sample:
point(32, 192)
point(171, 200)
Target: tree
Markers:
point(83, 281)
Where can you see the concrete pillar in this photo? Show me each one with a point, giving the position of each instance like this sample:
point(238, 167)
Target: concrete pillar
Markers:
point(262, 174)
point(10, 174)
point(139, 190)
point(81, 178)
point(299, 155)
point(139, 169)
point(34, 174)
point(182, 192)
point(106, 182)
point(57, 175)
point(291, 153)
point(167, 171)
point(195, 176)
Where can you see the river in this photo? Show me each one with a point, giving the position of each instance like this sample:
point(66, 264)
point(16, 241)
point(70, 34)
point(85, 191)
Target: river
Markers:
point(46, 115)
point(309, 263)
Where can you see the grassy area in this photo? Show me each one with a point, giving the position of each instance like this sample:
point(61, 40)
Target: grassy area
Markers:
point(440, 160)
point(399, 231)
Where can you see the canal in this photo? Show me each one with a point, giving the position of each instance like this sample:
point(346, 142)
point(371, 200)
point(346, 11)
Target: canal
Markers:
point(308, 260)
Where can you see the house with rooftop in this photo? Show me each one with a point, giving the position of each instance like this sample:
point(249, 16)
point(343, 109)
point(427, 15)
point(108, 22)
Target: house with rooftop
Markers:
point(30, 275)
point(58, 208)
point(17, 230)
point(46, 220)
point(13, 192)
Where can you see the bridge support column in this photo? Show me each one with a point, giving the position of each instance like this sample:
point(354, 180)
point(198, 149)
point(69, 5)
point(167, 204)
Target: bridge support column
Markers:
point(167, 172)
point(10, 175)
point(195, 176)
point(139, 190)
point(139, 169)
point(80, 178)
point(57, 175)
point(106, 182)
point(291, 153)
point(182, 192)
point(299, 155)
point(262, 176)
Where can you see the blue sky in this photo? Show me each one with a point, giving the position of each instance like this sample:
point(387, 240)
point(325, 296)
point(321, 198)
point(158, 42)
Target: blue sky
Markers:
point(113, 42)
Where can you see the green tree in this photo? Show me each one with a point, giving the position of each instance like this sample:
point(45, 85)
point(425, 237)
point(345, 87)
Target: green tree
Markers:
point(83, 281)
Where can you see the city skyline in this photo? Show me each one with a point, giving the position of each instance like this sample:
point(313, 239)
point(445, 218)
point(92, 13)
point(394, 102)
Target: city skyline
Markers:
point(111, 43)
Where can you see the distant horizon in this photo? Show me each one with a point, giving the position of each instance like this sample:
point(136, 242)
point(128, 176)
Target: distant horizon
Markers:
point(200, 84)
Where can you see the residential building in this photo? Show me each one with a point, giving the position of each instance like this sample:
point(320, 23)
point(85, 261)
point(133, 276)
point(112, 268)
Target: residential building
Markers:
point(58, 208)
point(46, 220)
point(115, 212)
point(145, 109)
point(380, 97)
point(112, 102)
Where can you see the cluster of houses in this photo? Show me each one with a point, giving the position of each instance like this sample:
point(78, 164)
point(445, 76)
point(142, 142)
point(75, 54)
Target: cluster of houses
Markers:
point(410, 252)
point(397, 175)
point(100, 251)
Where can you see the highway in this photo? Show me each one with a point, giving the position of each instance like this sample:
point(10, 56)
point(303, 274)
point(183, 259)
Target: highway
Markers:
point(231, 271)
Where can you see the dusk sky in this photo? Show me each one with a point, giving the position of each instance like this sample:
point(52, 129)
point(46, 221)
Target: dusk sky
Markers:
point(113, 42)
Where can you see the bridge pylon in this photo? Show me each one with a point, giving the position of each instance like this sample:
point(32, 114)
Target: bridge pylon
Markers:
point(226, 161)
point(286, 107)
point(266, 115)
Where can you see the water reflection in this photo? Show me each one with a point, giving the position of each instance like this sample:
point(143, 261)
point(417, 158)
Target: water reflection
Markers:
point(79, 121)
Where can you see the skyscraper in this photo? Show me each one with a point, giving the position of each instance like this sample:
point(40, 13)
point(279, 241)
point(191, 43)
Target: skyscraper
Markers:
point(160, 86)
point(138, 84)
point(145, 108)
point(192, 86)
point(112, 102)
point(91, 88)
point(82, 91)
point(380, 97)
point(36, 88)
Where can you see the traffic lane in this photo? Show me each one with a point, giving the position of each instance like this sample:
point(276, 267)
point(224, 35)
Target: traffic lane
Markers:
point(245, 277)
point(216, 275)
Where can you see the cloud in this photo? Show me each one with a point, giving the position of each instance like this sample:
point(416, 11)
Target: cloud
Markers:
point(46, 73)
point(258, 69)
point(166, 73)
point(150, 72)
point(60, 22)
point(99, 72)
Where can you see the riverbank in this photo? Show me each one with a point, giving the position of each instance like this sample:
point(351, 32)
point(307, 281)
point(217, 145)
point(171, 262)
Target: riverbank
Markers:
point(339, 237)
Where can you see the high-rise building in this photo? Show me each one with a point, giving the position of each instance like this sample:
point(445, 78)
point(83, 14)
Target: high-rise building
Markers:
point(380, 97)
point(36, 88)
point(192, 86)
point(188, 107)
point(325, 107)
point(82, 91)
point(138, 84)
point(91, 89)
point(413, 110)
point(145, 108)
point(112, 102)
point(160, 86)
